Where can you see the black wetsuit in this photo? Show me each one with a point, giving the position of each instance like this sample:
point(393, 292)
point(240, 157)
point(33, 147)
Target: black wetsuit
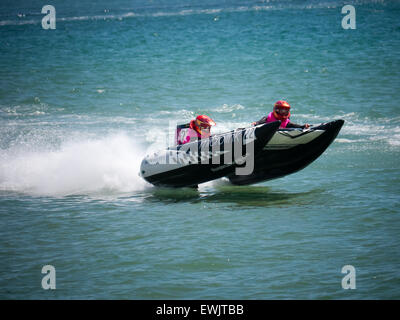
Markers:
point(289, 125)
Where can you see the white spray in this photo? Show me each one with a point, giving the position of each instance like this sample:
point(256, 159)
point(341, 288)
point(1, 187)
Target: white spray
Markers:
point(109, 165)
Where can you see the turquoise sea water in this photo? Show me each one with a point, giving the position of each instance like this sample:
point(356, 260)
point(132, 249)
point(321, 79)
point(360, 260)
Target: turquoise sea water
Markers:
point(82, 104)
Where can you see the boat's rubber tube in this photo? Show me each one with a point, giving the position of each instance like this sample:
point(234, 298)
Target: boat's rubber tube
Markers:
point(204, 160)
point(290, 150)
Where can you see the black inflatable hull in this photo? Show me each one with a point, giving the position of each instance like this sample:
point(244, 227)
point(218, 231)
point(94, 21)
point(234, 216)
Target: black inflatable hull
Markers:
point(193, 174)
point(272, 164)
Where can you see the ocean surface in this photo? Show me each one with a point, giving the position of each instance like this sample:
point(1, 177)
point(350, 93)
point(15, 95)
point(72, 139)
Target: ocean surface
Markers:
point(81, 105)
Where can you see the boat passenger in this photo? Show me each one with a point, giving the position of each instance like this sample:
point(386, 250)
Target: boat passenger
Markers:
point(199, 128)
point(281, 112)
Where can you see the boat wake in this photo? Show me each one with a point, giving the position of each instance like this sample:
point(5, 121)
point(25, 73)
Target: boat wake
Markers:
point(106, 165)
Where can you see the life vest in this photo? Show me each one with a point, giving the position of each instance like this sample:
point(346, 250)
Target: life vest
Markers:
point(271, 118)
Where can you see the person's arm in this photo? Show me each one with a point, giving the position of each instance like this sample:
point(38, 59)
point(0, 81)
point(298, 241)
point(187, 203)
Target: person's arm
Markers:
point(295, 125)
point(262, 120)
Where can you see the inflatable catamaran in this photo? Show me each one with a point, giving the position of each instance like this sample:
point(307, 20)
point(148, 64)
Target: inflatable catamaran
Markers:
point(245, 156)
point(289, 151)
point(190, 164)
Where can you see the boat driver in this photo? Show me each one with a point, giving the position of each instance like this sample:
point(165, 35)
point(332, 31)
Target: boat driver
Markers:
point(281, 112)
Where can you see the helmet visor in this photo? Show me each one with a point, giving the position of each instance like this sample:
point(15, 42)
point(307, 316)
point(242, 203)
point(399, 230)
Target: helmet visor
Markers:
point(282, 111)
point(202, 125)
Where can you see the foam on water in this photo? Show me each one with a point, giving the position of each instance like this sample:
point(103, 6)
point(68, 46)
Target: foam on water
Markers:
point(214, 184)
point(360, 129)
point(108, 164)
